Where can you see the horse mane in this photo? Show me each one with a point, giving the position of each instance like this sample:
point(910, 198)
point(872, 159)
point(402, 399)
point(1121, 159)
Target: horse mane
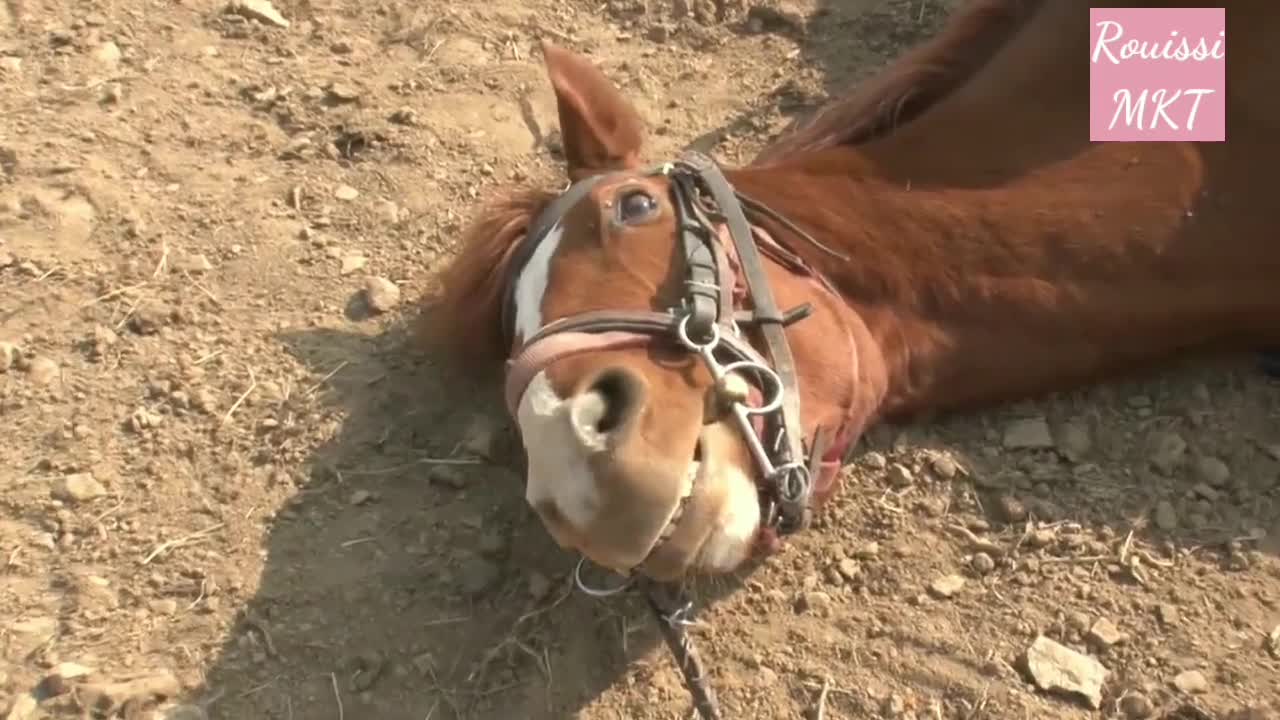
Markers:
point(462, 311)
point(911, 84)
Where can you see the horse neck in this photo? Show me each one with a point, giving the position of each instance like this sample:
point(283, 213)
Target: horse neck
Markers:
point(1059, 277)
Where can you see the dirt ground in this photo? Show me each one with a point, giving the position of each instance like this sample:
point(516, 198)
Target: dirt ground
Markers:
point(223, 478)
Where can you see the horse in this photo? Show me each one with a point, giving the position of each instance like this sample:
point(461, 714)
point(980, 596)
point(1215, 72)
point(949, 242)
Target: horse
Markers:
point(691, 352)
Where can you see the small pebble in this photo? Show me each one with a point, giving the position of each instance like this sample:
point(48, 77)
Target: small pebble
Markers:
point(1137, 706)
point(43, 371)
point(946, 586)
point(944, 466)
point(899, 475)
point(1191, 682)
point(346, 193)
point(1028, 434)
point(381, 295)
point(982, 563)
point(78, 487)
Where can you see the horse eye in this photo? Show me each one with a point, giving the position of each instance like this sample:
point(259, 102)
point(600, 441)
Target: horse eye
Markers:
point(636, 205)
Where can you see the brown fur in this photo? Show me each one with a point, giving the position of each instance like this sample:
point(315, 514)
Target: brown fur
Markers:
point(995, 252)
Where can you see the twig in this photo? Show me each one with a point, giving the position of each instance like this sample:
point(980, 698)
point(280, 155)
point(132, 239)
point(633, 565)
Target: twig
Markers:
point(820, 711)
point(415, 463)
point(168, 545)
point(113, 293)
point(253, 385)
point(326, 378)
point(337, 696)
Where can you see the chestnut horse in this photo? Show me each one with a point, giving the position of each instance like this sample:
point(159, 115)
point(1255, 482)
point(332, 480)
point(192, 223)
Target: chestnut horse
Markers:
point(948, 233)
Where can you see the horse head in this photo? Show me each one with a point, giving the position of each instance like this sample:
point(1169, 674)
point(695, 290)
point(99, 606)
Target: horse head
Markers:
point(675, 412)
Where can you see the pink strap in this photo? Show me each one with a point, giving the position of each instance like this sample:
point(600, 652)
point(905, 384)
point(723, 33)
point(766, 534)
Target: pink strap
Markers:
point(536, 356)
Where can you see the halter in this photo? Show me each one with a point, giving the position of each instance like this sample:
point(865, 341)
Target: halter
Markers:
point(706, 322)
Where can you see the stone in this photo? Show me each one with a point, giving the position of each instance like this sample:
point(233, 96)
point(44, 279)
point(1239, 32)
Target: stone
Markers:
point(1137, 706)
point(1167, 452)
point(108, 53)
point(43, 371)
point(1166, 518)
point(1213, 471)
point(346, 193)
point(1073, 441)
point(260, 10)
point(899, 475)
point(944, 466)
point(982, 563)
point(814, 601)
point(9, 355)
point(1192, 682)
point(946, 586)
point(1028, 434)
point(1105, 634)
point(78, 487)
point(352, 263)
point(1053, 667)
point(380, 294)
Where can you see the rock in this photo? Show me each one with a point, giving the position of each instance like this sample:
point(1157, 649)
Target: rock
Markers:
point(946, 586)
point(899, 475)
point(196, 263)
point(1166, 518)
point(1056, 668)
point(164, 606)
point(1105, 634)
point(8, 355)
point(1028, 434)
point(1168, 614)
point(1205, 491)
point(1073, 441)
point(1011, 509)
point(260, 10)
point(875, 460)
point(346, 193)
point(814, 601)
point(1167, 452)
point(849, 569)
point(1192, 682)
point(944, 466)
point(361, 497)
point(24, 707)
point(78, 487)
point(1212, 471)
point(108, 53)
point(870, 551)
point(1137, 706)
point(352, 263)
point(43, 371)
point(380, 294)
point(982, 563)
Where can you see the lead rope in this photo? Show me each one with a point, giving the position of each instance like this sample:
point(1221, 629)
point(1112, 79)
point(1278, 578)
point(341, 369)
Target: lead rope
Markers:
point(672, 611)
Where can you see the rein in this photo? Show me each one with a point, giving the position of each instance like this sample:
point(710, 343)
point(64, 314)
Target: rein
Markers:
point(706, 321)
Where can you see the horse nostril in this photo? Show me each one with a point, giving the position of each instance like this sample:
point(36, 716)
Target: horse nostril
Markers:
point(618, 392)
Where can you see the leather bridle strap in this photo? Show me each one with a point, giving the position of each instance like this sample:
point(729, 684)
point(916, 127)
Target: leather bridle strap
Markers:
point(794, 486)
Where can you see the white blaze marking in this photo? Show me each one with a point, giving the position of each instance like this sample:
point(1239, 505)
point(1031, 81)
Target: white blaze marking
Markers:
point(729, 544)
point(531, 286)
point(558, 436)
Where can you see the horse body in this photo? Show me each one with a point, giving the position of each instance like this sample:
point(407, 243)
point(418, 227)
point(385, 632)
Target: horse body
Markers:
point(989, 252)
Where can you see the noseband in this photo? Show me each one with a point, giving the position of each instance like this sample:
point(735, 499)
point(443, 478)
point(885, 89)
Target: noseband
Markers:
point(705, 321)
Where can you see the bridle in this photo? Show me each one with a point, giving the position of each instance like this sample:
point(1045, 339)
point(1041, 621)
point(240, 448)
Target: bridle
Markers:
point(705, 322)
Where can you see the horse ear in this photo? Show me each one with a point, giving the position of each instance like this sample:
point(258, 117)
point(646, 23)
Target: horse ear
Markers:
point(600, 130)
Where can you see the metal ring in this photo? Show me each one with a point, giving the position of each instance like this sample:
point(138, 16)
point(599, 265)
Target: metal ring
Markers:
point(792, 474)
point(577, 580)
point(682, 331)
point(775, 381)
